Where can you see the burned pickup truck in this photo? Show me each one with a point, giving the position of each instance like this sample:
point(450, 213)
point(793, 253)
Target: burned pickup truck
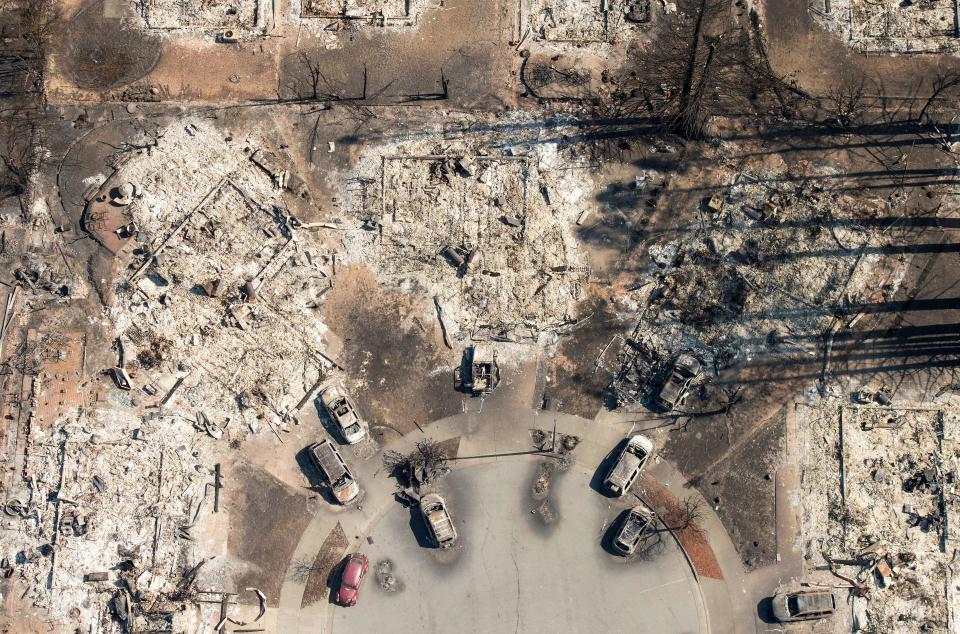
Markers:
point(438, 520)
point(479, 373)
point(629, 464)
point(674, 390)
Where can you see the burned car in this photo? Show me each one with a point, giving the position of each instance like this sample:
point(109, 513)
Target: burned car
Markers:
point(330, 463)
point(629, 464)
point(636, 525)
point(344, 414)
point(480, 373)
point(803, 605)
point(438, 520)
point(674, 390)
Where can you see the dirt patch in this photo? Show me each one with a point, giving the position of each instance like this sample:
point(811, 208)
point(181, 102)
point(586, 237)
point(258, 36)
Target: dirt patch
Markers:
point(732, 460)
point(330, 553)
point(272, 517)
point(395, 363)
point(692, 539)
point(98, 54)
point(575, 387)
point(541, 483)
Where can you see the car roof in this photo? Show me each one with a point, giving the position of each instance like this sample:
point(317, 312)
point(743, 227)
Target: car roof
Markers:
point(815, 601)
point(329, 459)
point(351, 574)
point(624, 468)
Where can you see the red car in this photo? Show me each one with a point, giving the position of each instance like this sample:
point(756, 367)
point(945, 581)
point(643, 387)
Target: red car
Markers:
point(350, 580)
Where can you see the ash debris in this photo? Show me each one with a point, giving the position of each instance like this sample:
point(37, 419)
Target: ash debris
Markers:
point(217, 266)
point(890, 26)
point(771, 268)
point(878, 507)
point(79, 547)
point(387, 581)
point(486, 232)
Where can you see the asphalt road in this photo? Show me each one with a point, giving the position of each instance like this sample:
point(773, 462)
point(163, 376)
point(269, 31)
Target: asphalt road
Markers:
point(512, 572)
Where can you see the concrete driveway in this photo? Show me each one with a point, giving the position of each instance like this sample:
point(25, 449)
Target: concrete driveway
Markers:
point(512, 572)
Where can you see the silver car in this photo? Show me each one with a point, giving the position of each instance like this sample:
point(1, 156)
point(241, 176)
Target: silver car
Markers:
point(803, 605)
point(438, 520)
point(629, 464)
point(344, 414)
point(638, 522)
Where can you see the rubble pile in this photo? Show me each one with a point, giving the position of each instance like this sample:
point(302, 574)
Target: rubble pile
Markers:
point(325, 20)
point(235, 15)
point(489, 235)
point(878, 505)
point(769, 270)
point(380, 12)
point(890, 26)
point(75, 539)
point(579, 22)
point(220, 269)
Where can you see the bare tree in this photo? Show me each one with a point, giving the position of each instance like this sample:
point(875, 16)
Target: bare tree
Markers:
point(943, 82)
point(21, 85)
point(21, 149)
point(692, 118)
point(40, 21)
point(308, 85)
point(651, 546)
point(685, 515)
point(302, 568)
point(421, 466)
point(846, 102)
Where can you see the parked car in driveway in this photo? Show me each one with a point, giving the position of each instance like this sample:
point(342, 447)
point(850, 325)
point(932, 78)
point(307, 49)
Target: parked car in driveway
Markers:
point(674, 390)
point(637, 523)
point(330, 463)
point(350, 578)
point(438, 520)
point(482, 370)
point(344, 414)
point(803, 605)
point(629, 464)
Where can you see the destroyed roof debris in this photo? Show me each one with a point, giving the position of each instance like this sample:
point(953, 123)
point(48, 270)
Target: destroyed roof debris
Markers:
point(759, 275)
point(488, 235)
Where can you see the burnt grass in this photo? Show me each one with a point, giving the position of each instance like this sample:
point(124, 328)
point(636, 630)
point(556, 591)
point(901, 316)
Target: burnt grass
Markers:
point(97, 53)
point(393, 356)
point(321, 574)
point(575, 387)
point(732, 461)
point(268, 507)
